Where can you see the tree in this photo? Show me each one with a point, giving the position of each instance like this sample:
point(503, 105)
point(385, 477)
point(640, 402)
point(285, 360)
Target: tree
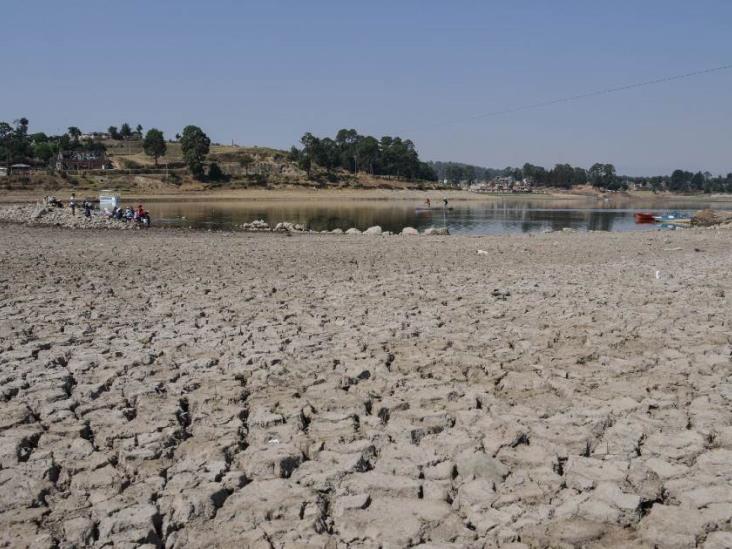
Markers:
point(368, 151)
point(74, 133)
point(6, 133)
point(215, 173)
point(43, 151)
point(603, 175)
point(195, 146)
point(680, 181)
point(138, 131)
point(698, 182)
point(154, 144)
point(125, 131)
point(113, 133)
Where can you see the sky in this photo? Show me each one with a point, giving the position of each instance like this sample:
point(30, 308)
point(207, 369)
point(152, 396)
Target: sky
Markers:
point(264, 73)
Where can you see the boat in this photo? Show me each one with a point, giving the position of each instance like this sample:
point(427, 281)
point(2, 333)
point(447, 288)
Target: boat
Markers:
point(644, 217)
point(671, 217)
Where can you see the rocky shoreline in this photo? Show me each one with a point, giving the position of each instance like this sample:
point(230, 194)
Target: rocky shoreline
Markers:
point(40, 215)
point(176, 389)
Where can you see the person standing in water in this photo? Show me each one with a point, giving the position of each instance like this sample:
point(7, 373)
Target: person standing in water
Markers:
point(427, 201)
point(72, 204)
point(444, 202)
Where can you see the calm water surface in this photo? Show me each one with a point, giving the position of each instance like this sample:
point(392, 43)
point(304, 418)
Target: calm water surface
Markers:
point(497, 215)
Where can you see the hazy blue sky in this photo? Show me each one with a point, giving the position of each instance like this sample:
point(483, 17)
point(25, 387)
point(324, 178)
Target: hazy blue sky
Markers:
point(265, 72)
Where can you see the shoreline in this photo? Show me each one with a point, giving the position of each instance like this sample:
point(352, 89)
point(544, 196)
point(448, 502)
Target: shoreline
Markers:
point(283, 194)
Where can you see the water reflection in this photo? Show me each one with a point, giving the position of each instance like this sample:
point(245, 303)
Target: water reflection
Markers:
point(497, 216)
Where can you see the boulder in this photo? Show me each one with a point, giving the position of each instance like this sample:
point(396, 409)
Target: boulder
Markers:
point(373, 230)
point(337, 231)
point(410, 231)
point(353, 230)
point(436, 231)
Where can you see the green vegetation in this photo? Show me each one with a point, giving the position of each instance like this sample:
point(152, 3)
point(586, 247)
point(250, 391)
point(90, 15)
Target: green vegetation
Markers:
point(391, 156)
point(195, 145)
point(154, 144)
point(348, 158)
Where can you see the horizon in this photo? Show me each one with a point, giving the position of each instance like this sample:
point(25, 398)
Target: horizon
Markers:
point(264, 75)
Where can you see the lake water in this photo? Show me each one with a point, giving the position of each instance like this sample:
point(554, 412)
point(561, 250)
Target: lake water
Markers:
point(494, 215)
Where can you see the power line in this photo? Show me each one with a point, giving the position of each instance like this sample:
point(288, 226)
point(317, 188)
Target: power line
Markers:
point(570, 98)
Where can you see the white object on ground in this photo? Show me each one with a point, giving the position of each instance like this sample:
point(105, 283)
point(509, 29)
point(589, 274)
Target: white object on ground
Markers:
point(482, 252)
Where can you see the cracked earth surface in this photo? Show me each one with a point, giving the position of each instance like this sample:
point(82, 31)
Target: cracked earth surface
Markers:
point(176, 389)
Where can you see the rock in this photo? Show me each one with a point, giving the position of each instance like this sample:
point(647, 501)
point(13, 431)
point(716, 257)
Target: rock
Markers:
point(436, 231)
point(38, 212)
point(373, 230)
point(337, 231)
point(409, 231)
point(353, 230)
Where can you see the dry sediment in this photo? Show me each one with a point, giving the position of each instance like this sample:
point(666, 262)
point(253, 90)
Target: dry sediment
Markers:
point(216, 390)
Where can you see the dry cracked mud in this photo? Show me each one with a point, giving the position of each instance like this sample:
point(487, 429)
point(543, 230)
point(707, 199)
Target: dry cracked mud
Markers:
point(176, 389)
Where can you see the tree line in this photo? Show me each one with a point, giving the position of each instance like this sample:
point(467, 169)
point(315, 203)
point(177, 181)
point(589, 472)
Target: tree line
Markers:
point(18, 145)
point(350, 151)
point(599, 175)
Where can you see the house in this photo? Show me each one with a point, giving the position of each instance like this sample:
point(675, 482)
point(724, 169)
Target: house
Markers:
point(80, 160)
point(3, 171)
point(20, 169)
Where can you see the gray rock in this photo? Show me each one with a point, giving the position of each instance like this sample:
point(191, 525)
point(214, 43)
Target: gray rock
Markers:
point(353, 230)
point(410, 231)
point(436, 231)
point(373, 230)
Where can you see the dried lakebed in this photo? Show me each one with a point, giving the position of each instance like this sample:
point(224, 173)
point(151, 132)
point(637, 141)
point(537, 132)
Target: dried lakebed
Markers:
point(183, 389)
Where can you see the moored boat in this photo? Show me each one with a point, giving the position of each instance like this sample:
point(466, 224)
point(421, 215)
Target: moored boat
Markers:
point(644, 217)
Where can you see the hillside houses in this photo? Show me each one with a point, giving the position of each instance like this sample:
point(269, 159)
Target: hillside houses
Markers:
point(81, 160)
point(504, 184)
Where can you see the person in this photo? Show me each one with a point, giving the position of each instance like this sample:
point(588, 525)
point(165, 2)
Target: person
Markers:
point(427, 201)
point(140, 212)
point(129, 213)
point(87, 208)
point(444, 202)
point(72, 204)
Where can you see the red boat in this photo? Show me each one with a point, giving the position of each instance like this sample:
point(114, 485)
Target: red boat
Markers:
point(644, 217)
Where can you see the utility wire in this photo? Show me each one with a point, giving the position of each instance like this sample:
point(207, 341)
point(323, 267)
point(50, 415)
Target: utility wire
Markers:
point(580, 96)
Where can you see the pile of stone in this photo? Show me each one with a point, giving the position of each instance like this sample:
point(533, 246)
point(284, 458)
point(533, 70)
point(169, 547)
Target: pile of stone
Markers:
point(256, 225)
point(406, 231)
point(709, 218)
point(260, 225)
point(41, 214)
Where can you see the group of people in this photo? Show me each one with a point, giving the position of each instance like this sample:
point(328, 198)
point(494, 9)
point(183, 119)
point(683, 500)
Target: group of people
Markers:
point(130, 214)
point(139, 214)
point(428, 202)
point(56, 203)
